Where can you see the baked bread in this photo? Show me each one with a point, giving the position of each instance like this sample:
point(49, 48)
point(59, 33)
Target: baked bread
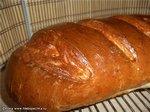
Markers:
point(78, 64)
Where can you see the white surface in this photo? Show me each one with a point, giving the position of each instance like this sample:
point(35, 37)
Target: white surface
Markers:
point(4, 98)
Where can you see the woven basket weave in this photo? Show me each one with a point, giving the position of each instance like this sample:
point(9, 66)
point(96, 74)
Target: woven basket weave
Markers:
point(21, 18)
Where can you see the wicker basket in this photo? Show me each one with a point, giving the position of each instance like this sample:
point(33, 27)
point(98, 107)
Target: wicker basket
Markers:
point(21, 18)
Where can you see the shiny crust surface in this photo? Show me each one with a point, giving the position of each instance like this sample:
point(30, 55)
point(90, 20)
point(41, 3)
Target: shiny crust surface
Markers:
point(142, 23)
point(77, 64)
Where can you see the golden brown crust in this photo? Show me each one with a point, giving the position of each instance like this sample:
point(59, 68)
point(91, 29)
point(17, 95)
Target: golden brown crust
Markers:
point(142, 23)
point(114, 36)
point(74, 65)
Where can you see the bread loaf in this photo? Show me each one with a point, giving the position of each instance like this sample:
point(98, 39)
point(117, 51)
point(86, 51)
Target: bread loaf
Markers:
point(78, 64)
